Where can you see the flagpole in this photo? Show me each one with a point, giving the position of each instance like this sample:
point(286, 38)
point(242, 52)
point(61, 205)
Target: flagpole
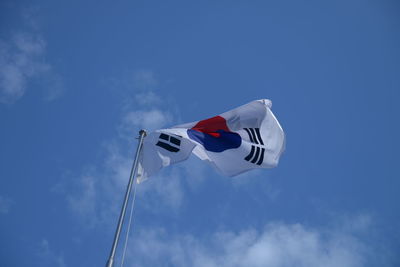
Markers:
point(110, 262)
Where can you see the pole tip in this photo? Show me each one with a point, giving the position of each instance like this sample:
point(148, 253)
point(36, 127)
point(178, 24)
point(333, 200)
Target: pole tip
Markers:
point(143, 132)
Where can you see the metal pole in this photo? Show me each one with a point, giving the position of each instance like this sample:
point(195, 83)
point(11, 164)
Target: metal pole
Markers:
point(110, 262)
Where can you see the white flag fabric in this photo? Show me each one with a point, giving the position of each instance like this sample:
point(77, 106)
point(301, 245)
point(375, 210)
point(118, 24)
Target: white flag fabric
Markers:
point(236, 141)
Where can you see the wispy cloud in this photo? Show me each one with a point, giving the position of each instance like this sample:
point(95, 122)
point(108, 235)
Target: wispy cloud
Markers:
point(250, 181)
point(164, 194)
point(277, 245)
point(5, 204)
point(147, 119)
point(136, 87)
point(97, 193)
point(148, 98)
point(22, 58)
point(47, 257)
point(144, 80)
point(84, 203)
point(95, 197)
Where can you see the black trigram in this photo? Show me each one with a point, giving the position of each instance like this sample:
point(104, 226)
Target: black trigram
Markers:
point(255, 136)
point(169, 142)
point(256, 154)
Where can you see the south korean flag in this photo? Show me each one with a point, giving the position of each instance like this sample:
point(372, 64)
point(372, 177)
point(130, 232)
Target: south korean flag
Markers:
point(233, 142)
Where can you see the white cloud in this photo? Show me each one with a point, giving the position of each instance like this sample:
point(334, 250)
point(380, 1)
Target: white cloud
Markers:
point(29, 45)
point(144, 80)
point(96, 196)
point(147, 119)
point(164, 193)
point(277, 245)
point(84, 204)
point(53, 86)
point(5, 204)
point(257, 179)
point(137, 87)
point(47, 257)
point(22, 58)
point(142, 107)
point(147, 98)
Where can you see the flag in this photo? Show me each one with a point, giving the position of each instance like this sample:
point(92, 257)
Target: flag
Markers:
point(236, 141)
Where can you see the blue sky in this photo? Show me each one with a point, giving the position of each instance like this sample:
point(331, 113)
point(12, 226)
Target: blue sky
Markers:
point(78, 80)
